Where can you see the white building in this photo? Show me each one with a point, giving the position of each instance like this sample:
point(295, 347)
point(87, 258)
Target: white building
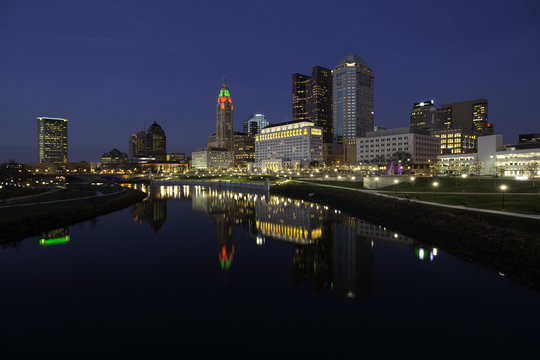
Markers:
point(288, 145)
point(494, 158)
point(212, 158)
point(384, 145)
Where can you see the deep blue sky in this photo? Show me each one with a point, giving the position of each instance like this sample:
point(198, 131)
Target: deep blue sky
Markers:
point(113, 67)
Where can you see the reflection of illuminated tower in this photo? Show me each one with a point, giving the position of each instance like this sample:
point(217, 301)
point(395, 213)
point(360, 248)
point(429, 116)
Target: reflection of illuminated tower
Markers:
point(224, 123)
point(353, 260)
point(314, 261)
point(55, 237)
point(152, 211)
point(225, 240)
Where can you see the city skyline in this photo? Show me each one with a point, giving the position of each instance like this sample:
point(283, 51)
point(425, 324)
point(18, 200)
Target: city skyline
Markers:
point(107, 82)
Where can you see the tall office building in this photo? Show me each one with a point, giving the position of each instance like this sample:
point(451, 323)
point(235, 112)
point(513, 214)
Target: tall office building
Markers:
point(224, 122)
point(255, 124)
point(424, 115)
point(312, 99)
point(52, 140)
point(320, 100)
point(156, 142)
point(137, 145)
point(300, 85)
point(471, 114)
point(353, 103)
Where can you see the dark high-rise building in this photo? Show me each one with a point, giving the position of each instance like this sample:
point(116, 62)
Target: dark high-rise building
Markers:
point(467, 115)
point(300, 85)
point(224, 122)
point(52, 140)
point(529, 138)
point(156, 142)
point(255, 124)
point(244, 149)
point(320, 100)
point(352, 103)
point(425, 115)
point(137, 145)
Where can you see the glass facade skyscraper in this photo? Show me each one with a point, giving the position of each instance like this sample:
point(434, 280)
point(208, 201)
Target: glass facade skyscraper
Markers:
point(52, 140)
point(255, 124)
point(353, 103)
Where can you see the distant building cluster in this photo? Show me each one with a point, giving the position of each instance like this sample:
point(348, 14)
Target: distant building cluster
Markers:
point(333, 124)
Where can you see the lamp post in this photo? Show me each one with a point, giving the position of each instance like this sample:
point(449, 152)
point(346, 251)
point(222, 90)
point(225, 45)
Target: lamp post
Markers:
point(503, 189)
point(412, 181)
point(435, 184)
point(376, 180)
point(396, 182)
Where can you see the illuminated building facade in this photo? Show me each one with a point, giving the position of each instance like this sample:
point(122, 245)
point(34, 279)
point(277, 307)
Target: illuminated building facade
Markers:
point(300, 85)
point(312, 99)
point(114, 157)
point(137, 145)
point(320, 101)
point(212, 158)
point(424, 115)
point(52, 140)
point(353, 103)
point(224, 122)
point(384, 145)
point(255, 124)
point(55, 237)
point(467, 115)
point(292, 144)
point(529, 138)
point(494, 158)
point(244, 149)
point(456, 140)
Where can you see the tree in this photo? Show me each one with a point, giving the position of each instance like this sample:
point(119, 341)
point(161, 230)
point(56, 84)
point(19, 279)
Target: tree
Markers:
point(532, 168)
point(434, 168)
point(476, 167)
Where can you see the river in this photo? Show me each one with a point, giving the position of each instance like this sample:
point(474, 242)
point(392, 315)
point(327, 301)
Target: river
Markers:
point(196, 272)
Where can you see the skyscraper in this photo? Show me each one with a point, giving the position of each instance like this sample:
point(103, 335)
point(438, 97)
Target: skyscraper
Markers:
point(471, 114)
point(156, 142)
point(424, 115)
point(300, 85)
point(255, 124)
point(353, 103)
point(137, 145)
point(320, 100)
point(224, 122)
point(52, 140)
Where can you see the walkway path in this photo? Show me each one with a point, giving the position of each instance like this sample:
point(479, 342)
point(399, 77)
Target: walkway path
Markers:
point(458, 207)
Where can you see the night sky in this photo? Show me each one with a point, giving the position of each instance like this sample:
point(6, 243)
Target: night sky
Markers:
point(113, 67)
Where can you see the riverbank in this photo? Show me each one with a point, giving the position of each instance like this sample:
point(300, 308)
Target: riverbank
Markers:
point(29, 219)
point(512, 251)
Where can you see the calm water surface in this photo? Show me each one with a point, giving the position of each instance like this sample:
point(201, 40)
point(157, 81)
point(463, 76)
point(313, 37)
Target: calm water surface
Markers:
point(200, 273)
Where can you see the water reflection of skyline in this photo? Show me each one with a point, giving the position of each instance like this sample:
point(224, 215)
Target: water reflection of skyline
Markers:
point(333, 251)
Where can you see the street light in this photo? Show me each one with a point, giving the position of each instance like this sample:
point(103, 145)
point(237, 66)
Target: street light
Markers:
point(396, 181)
point(503, 189)
point(376, 180)
point(412, 181)
point(435, 184)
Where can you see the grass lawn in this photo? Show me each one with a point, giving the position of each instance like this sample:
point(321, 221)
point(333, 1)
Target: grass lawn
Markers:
point(513, 203)
point(469, 184)
point(7, 191)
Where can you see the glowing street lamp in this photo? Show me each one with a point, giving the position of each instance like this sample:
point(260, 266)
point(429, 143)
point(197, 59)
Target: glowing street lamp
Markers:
point(396, 181)
point(412, 181)
point(376, 181)
point(435, 184)
point(503, 189)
